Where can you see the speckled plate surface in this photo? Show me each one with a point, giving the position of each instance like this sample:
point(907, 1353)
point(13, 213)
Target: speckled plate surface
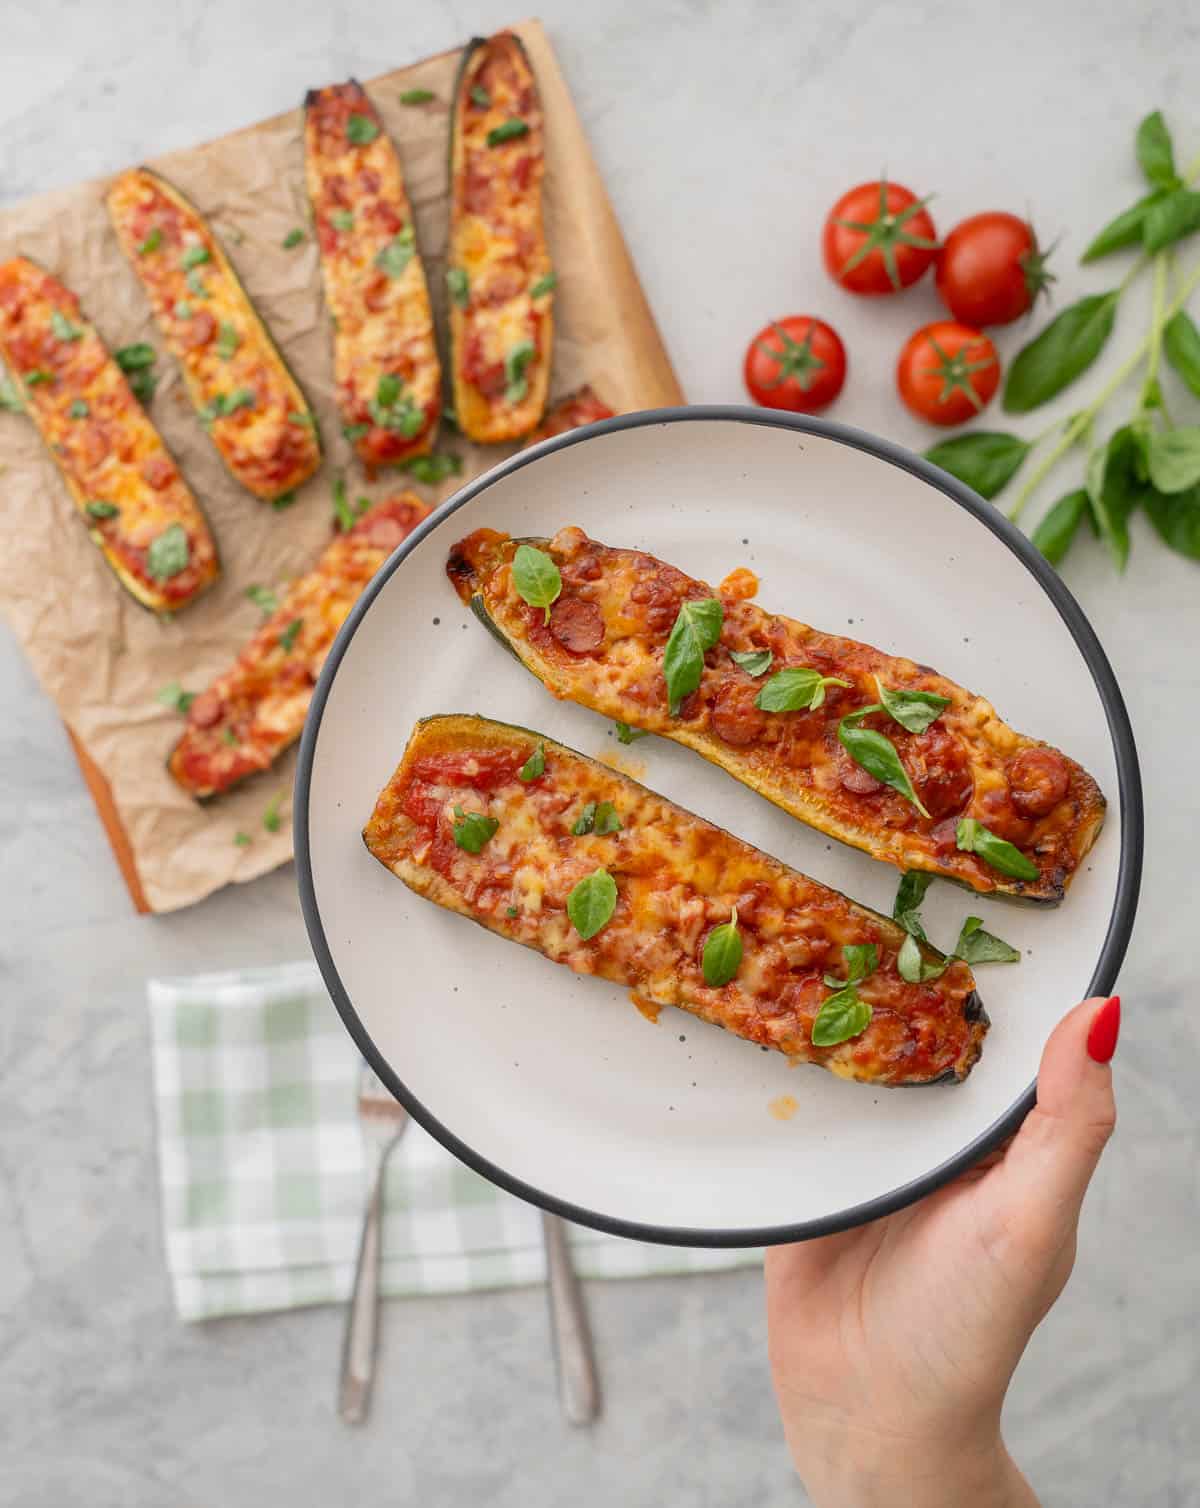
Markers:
point(555, 1086)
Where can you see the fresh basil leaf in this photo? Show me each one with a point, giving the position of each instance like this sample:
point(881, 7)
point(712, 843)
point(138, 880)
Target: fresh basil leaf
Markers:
point(1065, 348)
point(1173, 217)
point(397, 254)
point(1114, 490)
point(435, 468)
point(195, 256)
point(536, 577)
point(754, 662)
point(972, 837)
point(913, 710)
point(341, 219)
point(361, 130)
point(1177, 519)
point(271, 819)
point(586, 820)
point(1174, 459)
point(696, 630)
point(535, 766)
point(242, 840)
point(910, 893)
point(196, 283)
point(877, 755)
point(472, 830)
point(169, 553)
point(174, 696)
point(608, 820)
point(404, 417)
point(458, 286)
point(142, 384)
point(1181, 346)
point(591, 903)
point(480, 97)
point(38, 376)
point(355, 432)
point(78, 410)
point(62, 328)
point(511, 911)
point(284, 500)
point(1057, 527)
point(97, 509)
point(1124, 230)
point(507, 130)
point(387, 390)
point(976, 946)
point(417, 96)
point(544, 285)
point(10, 396)
point(293, 238)
point(242, 397)
point(722, 956)
point(986, 459)
point(228, 341)
point(135, 358)
point(1155, 152)
point(862, 959)
point(842, 1015)
point(152, 242)
point(183, 310)
point(342, 512)
point(914, 967)
point(795, 689)
point(627, 735)
point(515, 364)
point(263, 597)
point(287, 639)
point(913, 925)
point(302, 421)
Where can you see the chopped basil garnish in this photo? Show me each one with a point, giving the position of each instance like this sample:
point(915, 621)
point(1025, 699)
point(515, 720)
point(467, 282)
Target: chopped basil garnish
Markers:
point(229, 737)
point(507, 130)
point(586, 820)
point(417, 96)
point(169, 553)
point(293, 238)
point(906, 907)
point(174, 696)
point(515, 364)
point(345, 513)
point(10, 397)
point(78, 410)
point(263, 597)
point(536, 577)
point(62, 327)
point(795, 689)
point(473, 829)
point(626, 734)
point(608, 820)
point(844, 1014)
point(242, 840)
point(142, 384)
point(914, 967)
point(271, 819)
point(458, 286)
point(535, 766)
point(861, 959)
point(136, 357)
point(152, 242)
point(342, 219)
point(592, 902)
point(97, 509)
point(972, 837)
point(195, 256)
point(480, 97)
point(913, 710)
point(754, 662)
point(722, 955)
point(38, 376)
point(183, 310)
point(544, 285)
point(355, 432)
point(284, 500)
point(434, 468)
point(877, 754)
point(696, 631)
point(225, 404)
point(287, 639)
point(360, 130)
point(392, 408)
point(196, 283)
point(511, 911)
point(397, 254)
point(228, 341)
point(302, 421)
point(976, 946)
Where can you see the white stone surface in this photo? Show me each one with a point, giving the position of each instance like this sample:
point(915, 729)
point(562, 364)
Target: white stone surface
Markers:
point(725, 131)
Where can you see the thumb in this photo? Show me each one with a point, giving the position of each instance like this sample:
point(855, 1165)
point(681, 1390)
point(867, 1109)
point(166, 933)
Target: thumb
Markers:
point(1052, 1158)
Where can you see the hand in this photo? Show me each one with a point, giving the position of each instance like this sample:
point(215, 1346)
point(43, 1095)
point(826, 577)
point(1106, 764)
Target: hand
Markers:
point(892, 1345)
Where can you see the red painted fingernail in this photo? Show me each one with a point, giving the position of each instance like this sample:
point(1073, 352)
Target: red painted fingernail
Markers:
point(1104, 1030)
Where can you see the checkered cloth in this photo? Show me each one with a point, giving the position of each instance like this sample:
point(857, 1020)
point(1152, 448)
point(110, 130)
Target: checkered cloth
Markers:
point(262, 1166)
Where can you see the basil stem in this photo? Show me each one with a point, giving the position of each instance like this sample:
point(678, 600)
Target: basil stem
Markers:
point(722, 955)
point(972, 837)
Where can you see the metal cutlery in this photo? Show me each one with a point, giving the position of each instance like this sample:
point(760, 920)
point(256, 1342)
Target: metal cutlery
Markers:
point(578, 1387)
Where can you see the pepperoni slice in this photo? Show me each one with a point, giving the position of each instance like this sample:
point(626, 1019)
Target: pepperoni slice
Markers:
point(856, 780)
point(198, 330)
point(1038, 779)
point(158, 471)
point(206, 710)
point(734, 716)
point(577, 624)
point(940, 771)
point(386, 533)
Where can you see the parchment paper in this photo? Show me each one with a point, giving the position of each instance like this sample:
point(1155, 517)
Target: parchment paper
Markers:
point(100, 656)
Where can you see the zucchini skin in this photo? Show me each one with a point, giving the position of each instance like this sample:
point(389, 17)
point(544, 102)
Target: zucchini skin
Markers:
point(284, 448)
point(477, 568)
point(501, 312)
point(793, 931)
point(137, 476)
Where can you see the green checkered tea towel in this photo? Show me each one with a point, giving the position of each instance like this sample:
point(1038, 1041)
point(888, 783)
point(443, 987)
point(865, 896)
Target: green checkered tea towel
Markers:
point(262, 1168)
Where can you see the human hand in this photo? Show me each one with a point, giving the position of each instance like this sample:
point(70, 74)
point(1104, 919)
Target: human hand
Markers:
point(892, 1345)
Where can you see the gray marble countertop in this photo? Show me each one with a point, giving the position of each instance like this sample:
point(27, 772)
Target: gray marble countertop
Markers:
point(724, 131)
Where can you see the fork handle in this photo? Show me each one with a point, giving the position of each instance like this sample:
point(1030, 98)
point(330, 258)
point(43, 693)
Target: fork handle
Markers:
point(362, 1321)
point(577, 1385)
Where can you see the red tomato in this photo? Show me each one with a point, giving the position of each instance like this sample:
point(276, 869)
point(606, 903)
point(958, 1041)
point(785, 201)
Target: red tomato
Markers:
point(798, 363)
point(990, 270)
point(947, 372)
point(878, 239)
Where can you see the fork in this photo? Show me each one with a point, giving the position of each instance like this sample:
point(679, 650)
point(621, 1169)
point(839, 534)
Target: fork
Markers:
point(383, 1120)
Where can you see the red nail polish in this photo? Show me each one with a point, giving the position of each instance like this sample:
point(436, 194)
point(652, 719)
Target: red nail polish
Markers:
point(1104, 1030)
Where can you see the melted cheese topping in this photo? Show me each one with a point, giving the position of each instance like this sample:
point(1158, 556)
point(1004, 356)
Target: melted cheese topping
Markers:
point(116, 467)
point(251, 405)
point(256, 709)
point(677, 877)
point(578, 408)
point(498, 243)
point(374, 279)
point(968, 763)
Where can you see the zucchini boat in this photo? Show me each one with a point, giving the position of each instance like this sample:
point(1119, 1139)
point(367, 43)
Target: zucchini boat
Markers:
point(576, 409)
point(139, 511)
point(389, 379)
point(553, 850)
point(875, 750)
point(256, 709)
point(499, 277)
point(252, 407)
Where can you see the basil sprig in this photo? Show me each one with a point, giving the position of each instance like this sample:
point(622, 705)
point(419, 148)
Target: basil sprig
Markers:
point(361, 130)
point(754, 662)
point(515, 365)
point(536, 577)
point(696, 630)
point(535, 766)
point(795, 689)
point(169, 553)
point(844, 1014)
point(913, 710)
point(722, 956)
point(472, 830)
point(876, 754)
point(985, 459)
point(507, 130)
point(975, 946)
point(972, 837)
point(591, 903)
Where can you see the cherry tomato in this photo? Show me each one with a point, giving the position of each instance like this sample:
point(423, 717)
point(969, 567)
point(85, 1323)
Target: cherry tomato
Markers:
point(947, 372)
point(798, 363)
point(878, 239)
point(990, 270)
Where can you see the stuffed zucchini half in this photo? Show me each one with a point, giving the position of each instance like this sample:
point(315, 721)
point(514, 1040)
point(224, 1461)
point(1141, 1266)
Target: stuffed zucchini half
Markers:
point(499, 277)
point(581, 407)
point(245, 396)
point(256, 709)
point(389, 379)
point(138, 509)
point(875, 750)
point(553, 850)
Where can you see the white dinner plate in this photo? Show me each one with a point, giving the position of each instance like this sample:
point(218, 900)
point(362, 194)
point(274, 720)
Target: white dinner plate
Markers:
point(553, 1085)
